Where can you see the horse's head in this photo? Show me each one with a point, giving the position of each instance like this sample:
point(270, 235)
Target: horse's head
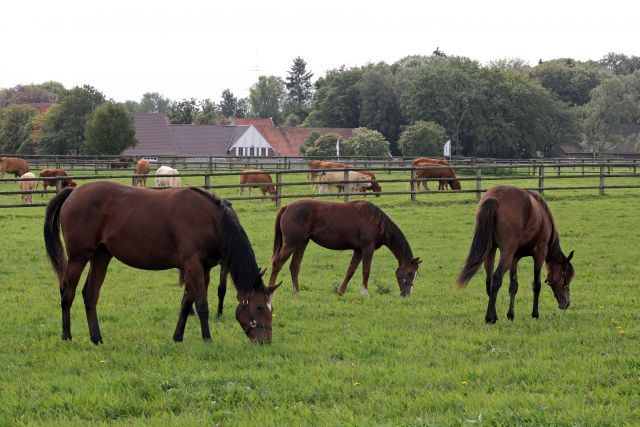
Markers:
point(255, 312)
point(455, 184)
point(406, 274)
point(375, 187)
point(559, 275)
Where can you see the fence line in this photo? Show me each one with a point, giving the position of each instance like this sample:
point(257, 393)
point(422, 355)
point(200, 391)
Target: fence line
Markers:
point(476, 173)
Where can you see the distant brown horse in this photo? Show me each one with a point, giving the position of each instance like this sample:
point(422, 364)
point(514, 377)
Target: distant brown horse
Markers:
point(359, 226)
point(445, 176)
point(259, 180)
point(142, 168)
point(419, 160)
point(520, 223)
point(52, 173)
point(185, 228)
point(13, 165)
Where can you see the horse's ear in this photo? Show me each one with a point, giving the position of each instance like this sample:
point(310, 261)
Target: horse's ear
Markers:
point(570, 256)
point(264, 270)
point(417, 260)
point(273, 288)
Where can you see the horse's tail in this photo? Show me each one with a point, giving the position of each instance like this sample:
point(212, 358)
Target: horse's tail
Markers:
point(277, 239)
point(52, 242)
point(482, 241)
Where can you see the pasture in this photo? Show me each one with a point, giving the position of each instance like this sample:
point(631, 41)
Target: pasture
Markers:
point(428, 359)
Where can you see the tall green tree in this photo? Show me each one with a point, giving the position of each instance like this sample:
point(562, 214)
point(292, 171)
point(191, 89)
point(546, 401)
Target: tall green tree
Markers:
point(336, 102)
point(207, 112)
point(571, 80)
point(153, 102)
point(322, 146)
point(379, 104)
point(228, 104)
point(368, 143)
point(12, 122)
point(299, 92)
point(266, 98)
point(64, 129)
point(621, 64)
point(109, 130)
point(422, 139)
point(183, 112)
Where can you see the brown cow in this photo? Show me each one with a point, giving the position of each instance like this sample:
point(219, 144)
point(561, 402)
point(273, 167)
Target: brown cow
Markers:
point(13, 165)
point(52, 173)
point(259, 180)
point(142, 168)
point(437, 174)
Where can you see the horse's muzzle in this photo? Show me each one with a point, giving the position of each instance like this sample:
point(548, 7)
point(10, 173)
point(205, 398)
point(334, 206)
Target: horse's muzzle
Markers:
point(406, 291)
point(564, 307)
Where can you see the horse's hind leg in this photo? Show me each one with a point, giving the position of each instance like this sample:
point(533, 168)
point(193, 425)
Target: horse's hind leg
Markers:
point(294, 267)
point(68, 293)
point(194, 278)
point(278, 261)
point(353, 265)
point(506, 258)
point(513, 287)
point(488, 268)
point(367, 256)
point(186, 309)
point(91, 291)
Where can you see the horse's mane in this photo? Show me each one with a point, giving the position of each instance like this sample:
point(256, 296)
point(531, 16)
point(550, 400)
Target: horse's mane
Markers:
point(391, 233)
point(237, 255)
point(554, 253)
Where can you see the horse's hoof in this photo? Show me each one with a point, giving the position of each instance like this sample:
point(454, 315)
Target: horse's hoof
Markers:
point(206, 339)
point(177, 338)
point(510, 316)
point(364, 292)
point(66, 337)
point(97, 341)
point(535, 315)
point(491, 319)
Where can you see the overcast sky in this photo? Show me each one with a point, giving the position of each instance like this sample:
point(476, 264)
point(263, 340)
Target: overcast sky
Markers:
point(197, 48)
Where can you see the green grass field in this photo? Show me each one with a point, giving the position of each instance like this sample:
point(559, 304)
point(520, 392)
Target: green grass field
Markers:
point(428, 359)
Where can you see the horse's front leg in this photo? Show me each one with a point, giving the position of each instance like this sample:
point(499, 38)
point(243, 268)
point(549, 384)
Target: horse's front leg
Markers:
point(353, 265)
point(367, 256)
point(537, 267)
point(222, 288)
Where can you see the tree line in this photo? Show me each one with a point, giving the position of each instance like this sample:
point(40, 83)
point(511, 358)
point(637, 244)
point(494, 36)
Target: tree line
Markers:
point(506, 108)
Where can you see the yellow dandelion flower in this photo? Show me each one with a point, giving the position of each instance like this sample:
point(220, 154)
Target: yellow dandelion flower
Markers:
point(464, 382)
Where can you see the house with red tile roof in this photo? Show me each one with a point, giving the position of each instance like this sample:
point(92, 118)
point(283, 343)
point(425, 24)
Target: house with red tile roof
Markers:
point(257, 137)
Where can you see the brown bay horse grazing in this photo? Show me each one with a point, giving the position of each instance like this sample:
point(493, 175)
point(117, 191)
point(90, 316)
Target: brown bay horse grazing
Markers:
point(257, 180)
point(13, 165)
point(190, 229)
point(520, 223)
point(359, 226)
point(142, 168)
point(53, 173)
point(443, 175)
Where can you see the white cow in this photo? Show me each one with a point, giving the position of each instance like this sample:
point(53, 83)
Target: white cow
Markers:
point(28, 186)
point(358, 182)
point(166, 181)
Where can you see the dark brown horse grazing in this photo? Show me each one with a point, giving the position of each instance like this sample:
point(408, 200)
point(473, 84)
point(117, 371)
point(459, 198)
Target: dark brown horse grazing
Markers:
point(190, 229)
point(360, 226)
point(520, 223)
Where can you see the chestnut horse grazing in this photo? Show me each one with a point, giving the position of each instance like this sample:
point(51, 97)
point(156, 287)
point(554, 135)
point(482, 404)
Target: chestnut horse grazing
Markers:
point(13, 165)
point(142, 168)
point(259, 180)
point(189, 229)
point(321, 164)
point(443, 175)
point(359, 226)
point(520, 223)
point(52, 173)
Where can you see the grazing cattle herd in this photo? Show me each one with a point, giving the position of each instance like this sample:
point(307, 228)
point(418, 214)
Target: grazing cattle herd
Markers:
point(516, 221)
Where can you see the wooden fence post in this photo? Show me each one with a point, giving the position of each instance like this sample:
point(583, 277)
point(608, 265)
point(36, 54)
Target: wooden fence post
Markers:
point(582, 167)
point(346, 185)
point(478, 183)
point(541, 180)
point(601, 180)
point(210, 164)
point(412, 185)
point(207, 182)
point(278, 189)
point(95, 164)
point(58, 185)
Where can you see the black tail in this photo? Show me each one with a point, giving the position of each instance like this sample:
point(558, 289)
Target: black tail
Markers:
point(277, 239)
point(52, 242)
point(482, 241)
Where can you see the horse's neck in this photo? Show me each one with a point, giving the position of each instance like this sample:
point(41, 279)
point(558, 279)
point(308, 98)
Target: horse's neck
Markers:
point(399, 247)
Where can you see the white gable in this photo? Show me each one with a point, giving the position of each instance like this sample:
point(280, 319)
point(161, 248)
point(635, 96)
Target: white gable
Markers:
point(251, 138)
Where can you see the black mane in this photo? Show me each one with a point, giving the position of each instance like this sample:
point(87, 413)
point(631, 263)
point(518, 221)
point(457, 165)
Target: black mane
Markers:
point(237, 255)
point(554, 253)
point(392, 235)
